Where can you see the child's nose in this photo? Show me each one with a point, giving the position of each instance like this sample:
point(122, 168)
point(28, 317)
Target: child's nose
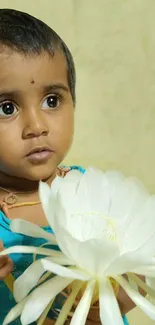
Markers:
point(34, 126)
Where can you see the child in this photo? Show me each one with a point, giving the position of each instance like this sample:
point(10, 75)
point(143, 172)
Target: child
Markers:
point(37, 99)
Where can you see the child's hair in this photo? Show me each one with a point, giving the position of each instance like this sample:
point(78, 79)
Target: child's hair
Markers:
point(29, 35)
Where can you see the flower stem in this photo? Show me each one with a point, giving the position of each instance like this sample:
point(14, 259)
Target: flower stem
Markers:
point(69, 303)
point(9, 281)
point(141, 284)
point(44, 277)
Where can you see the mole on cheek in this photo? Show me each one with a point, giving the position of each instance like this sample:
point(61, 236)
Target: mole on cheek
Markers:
point(32, 82)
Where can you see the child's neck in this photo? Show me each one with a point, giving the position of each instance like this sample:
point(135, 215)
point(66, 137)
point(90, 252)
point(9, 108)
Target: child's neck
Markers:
point(16, 184)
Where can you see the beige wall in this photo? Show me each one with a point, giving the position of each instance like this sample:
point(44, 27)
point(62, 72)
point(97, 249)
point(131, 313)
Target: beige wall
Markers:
point(113, 42)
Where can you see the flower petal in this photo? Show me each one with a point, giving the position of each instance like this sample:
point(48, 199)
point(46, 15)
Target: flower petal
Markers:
point(109, 308)
point(123, 264)
point(151, 282)
point(137, 298)
point(70, 182)
point(85, 226)
point(82, 310)
point(30, 250)
point(29, 279)
point(132, 261)
point(146, 270)
point(15, 312)
point(96, 189)
point(47, 202)
point(141, 230)
point(127, 199)
point(55, 186)
point(92, 255)
point(68, 188)
point(64, 271)
point(64, 187)
point(41, 297)
point(30, 229)
point(43, 317)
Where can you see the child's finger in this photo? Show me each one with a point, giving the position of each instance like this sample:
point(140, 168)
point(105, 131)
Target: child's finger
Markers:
point(3, 260)
point(6, 269)
point(1, 245)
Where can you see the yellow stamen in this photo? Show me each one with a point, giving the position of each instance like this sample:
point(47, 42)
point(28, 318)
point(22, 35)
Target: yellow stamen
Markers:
point(115, 285)
point(110, 229)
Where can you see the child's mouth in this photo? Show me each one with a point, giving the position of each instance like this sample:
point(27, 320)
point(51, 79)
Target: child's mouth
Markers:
point(39, 154)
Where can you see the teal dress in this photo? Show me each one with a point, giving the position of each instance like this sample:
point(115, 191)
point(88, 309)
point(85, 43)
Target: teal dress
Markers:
point(21, 262)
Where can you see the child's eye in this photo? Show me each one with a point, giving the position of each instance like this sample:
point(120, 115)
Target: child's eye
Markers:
point(7, 109)
point(52, 101)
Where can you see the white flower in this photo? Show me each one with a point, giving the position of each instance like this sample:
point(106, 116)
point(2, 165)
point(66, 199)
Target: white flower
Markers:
point(104, 225)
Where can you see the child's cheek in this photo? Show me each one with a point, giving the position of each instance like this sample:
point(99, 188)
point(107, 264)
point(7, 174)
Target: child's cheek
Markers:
point(4, 127)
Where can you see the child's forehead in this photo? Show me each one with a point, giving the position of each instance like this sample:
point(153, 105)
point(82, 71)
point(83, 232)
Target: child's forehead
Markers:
point(18, 70)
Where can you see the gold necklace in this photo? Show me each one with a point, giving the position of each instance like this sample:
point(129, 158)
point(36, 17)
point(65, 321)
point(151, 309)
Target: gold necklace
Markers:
point(10, 201)
point(11, 198)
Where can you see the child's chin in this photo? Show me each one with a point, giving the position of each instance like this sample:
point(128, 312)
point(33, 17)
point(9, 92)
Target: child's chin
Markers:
point(41, 173)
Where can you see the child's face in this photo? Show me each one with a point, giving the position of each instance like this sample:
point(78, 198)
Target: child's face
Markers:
point(36, 113)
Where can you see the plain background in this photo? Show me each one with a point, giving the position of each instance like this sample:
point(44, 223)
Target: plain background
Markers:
point(113, 43)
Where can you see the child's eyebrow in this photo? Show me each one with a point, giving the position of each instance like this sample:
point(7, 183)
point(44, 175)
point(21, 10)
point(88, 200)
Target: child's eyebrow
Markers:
point(53, 87)
point(47, 88)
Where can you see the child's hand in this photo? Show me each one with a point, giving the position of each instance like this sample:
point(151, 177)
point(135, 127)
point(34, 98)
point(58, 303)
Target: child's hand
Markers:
point(6, 264)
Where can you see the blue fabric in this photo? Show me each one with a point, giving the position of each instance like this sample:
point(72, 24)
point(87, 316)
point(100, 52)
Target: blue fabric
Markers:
point(21, 262)
point(125, 321)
